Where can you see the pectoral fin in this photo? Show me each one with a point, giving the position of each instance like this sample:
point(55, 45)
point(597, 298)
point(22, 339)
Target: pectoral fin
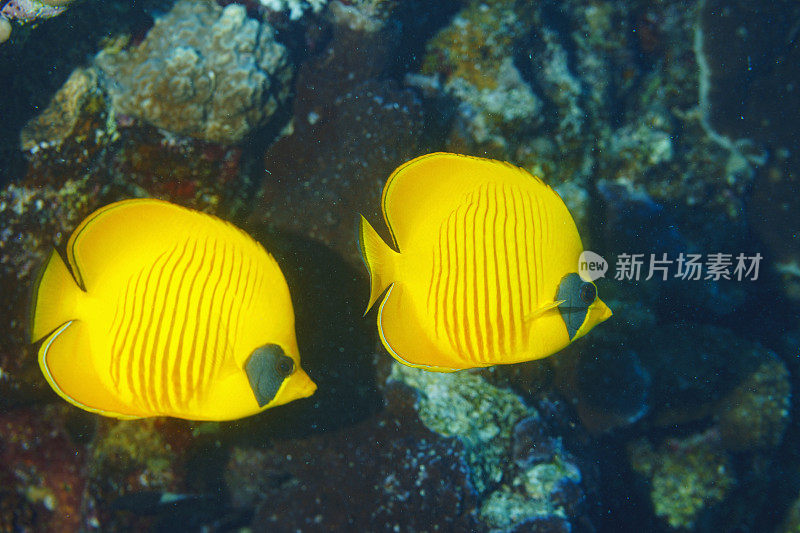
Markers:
point(539, 312)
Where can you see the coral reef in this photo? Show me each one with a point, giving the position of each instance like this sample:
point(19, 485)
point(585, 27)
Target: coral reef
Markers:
point(650, 119)
point(202, 71)
point(690, 376)
point(541, 483)
point(686, 476)
point(32, 217)
point(296, 8)
point(66, 114)
point(5, 30)
point(126, 459)
point(751, 94)
point(350, 128)
point(28, 11)
point(755, 414)
point(579, 104)
point(392, 467)
point(464, 405)
point(43, 482)
point(129, 455)
point(473, 60)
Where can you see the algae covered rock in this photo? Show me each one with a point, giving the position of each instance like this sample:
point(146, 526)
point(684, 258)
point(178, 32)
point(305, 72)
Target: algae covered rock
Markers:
point(686, 476)
point(464, 405)
point(202, 71)
point(24, 11)
point(755, 414)
point(62, 119)
point(524, 477)
point(131, 450)
point(473, 58)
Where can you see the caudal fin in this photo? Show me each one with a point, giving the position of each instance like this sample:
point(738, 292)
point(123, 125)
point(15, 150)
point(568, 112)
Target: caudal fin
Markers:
point(54, 297)
point(379, 259)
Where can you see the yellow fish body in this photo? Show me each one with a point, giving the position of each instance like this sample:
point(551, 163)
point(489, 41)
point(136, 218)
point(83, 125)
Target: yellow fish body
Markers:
point(167, 312)
point(485, 267)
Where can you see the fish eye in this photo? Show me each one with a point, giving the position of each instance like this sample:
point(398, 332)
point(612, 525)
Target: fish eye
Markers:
point(284, 365)
point(588, 293)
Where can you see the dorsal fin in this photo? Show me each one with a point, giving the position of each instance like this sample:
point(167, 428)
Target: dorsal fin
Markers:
point(424, 190)
point(134, 231)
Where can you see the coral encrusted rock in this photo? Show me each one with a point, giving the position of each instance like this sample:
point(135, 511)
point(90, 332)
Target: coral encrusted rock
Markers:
point(202, 71)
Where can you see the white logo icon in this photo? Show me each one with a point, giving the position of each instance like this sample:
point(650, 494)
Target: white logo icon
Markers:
point(591, 266)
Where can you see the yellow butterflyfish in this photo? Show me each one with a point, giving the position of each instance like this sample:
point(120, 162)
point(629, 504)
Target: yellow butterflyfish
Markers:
point(166, 311)
point(484, 269)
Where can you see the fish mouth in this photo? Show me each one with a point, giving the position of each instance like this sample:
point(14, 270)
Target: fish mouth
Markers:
point(603, 311)
point(306, 387)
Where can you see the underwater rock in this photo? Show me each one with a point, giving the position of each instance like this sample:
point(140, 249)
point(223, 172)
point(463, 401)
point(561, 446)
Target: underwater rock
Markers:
point(409, 474)
point(351, 127)
point(697, 370)
point(41, 57)
point(79, 137)
point(296, 8)
point(613, 389)
point(522, 474)
point(24, 11)
point(640, 371)
point(76, 128)
point(63, 116)
point(33, 215)
point(30, 10)
point(507, 510)
point(368, 16)
point(472, 58)
point(668, 112)
point(776, 222)
point(611, 93)
point(608, 381)
point(197, 174)
point(642, 145)
point(387, 472)
point(42, 480)
point(201, 71)
point(751, 86)
point(358, 139)
point(129, 456)
point(5, 30)
point(464, 405)
point(791, 523)
point(750, 55)
point(756, 413)
point(685, 476)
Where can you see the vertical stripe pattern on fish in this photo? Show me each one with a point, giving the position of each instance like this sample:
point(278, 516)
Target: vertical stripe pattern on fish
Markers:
point(167, 309)
point(482, 249)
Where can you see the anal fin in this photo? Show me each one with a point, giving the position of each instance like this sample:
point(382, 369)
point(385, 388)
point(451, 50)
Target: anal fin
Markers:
point(67, 362)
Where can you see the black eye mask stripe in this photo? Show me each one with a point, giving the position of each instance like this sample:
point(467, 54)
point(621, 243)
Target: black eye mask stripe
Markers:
point(578, 295)
point(266, 369)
